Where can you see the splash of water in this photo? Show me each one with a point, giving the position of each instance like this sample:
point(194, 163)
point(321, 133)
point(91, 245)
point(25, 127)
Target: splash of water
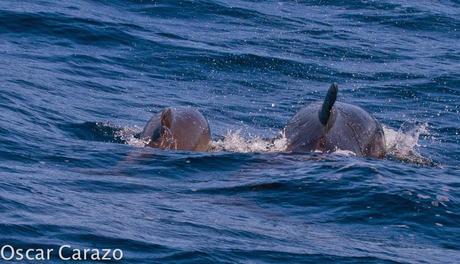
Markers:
point(235, 142)
point(128, 135)
point(402, 144)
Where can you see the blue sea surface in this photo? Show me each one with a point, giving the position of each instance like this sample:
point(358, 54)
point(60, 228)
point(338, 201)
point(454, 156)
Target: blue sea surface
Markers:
point(79, 78)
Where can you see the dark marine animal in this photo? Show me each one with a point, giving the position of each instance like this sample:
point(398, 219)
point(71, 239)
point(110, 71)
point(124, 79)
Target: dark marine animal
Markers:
point(178, 128)
point(328, 126)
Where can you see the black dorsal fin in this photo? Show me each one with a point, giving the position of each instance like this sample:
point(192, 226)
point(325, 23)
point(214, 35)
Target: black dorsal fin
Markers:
point(331, 96)
point(166, 117)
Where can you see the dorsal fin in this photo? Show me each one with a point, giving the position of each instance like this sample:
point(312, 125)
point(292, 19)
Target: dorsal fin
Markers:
point(166, 117)
point(325, 111)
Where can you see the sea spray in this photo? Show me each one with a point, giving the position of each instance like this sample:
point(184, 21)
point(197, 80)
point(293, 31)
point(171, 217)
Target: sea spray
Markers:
point(401, 144)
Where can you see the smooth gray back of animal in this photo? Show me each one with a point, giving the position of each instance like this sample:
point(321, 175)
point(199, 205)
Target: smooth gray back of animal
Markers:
point(348, 127)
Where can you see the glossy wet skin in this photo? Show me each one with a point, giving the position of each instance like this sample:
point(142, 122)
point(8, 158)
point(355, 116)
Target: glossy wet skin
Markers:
point(179, 128)
point(349, 128)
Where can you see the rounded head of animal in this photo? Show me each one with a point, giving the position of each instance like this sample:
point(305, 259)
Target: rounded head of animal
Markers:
point(179, 128)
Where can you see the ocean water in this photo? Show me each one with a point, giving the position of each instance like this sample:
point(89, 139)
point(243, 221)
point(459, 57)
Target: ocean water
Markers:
point(79, 78)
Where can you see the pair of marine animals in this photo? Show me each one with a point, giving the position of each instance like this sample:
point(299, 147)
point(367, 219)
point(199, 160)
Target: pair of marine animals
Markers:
point(324, 126)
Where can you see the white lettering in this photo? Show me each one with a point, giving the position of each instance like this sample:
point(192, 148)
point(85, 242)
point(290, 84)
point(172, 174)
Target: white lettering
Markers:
point(28, 257)
point(85, 253)
point(19, 253)
point(48, 253)
point(76, 254)
point(120, 254)
point(61, 249)
point(66, 252)
point(95, 255)
point(40, 254)
point(106, 254)
point(2, 252)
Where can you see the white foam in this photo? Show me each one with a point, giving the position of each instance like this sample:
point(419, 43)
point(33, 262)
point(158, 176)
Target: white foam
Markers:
point(402, 144)
point(342, 152)
point(127, 134)
point(235, 142)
